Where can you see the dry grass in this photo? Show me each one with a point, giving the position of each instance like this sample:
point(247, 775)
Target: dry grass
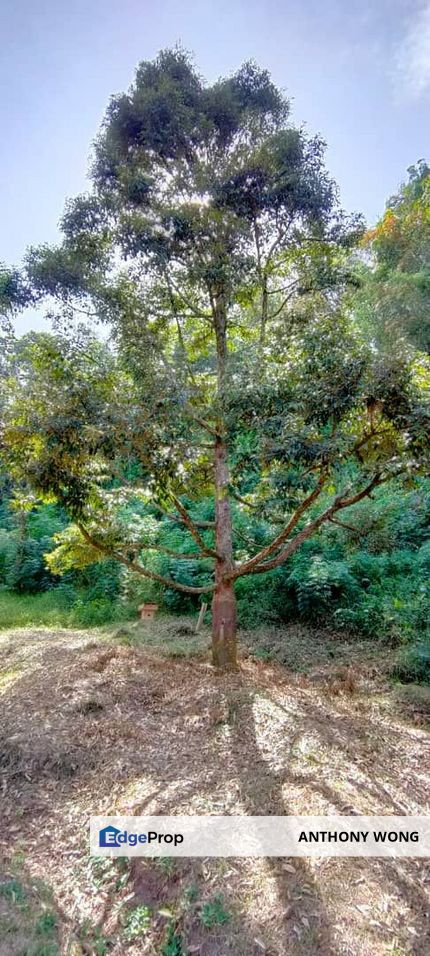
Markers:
point(89, 725)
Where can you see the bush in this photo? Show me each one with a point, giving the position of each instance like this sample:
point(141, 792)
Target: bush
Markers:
point(320, 583)
point(413, 666)
point(261, 599)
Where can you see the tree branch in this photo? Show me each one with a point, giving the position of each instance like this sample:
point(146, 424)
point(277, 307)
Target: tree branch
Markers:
point(193, 556)
point(135, 566)
point(196, 312)
point(243, 501)
point(309, 529)
point(192, 527)
point(348, 527)
point(252, 563)
point(177, 518)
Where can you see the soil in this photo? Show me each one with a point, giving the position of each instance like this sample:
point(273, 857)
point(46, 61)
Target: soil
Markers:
point(91, 726)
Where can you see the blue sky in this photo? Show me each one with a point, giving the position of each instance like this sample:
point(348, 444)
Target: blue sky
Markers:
point(358, 73)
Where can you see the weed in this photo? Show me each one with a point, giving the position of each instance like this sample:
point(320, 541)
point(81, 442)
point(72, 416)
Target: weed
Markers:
point(8, 676)
point(122, 881)
point(413, 665)
point(173, 944)
point(46, 922)
point(191, 893)
point(93, 938)
point(137, 922)
point(395, 949)
point(101, 870)
point(49, 609)
point(7, 926)
point(13, 890)
point(213, 913)
point(48, 948)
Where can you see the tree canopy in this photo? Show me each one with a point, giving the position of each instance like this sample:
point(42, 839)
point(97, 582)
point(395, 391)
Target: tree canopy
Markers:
point(399, 289)
point(212, 246)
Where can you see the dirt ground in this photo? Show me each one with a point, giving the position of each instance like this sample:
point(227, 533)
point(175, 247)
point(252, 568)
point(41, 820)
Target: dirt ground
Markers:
point(92, 726)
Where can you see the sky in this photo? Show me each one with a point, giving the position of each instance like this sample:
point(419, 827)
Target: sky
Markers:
point(357, 73)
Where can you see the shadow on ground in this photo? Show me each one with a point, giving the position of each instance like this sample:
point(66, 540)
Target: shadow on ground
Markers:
point(89, 727)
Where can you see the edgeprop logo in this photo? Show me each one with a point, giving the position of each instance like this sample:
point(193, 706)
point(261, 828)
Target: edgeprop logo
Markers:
point(111, 836)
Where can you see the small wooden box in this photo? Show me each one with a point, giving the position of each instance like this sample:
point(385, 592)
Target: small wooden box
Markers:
point(147, 611)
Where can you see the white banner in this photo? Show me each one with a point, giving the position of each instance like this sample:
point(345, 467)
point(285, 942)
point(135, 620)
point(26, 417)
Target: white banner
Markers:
point(260, 836)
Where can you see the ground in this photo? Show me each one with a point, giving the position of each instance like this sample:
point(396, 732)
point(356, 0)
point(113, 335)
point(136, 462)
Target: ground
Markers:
point(103, 723)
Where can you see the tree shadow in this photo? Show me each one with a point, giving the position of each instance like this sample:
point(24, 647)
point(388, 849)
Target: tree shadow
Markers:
point(265, 791)
point(304, 927)
point(174, 737)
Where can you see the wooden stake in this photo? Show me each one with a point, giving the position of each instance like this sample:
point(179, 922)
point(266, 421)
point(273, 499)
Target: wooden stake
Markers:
point(202, 613)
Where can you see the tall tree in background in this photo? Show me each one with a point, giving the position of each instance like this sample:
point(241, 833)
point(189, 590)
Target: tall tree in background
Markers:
point(212, 245)
point(398, 287)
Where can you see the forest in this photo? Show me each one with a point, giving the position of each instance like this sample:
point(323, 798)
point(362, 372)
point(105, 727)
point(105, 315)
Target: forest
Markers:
point(231, 408)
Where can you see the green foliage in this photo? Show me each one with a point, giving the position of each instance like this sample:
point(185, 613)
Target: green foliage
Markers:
point(26, 535)
point(398, 289)
point(137, 922)
point(46, 922)
point(214, 912)
point(413, 666)
point(94, 939)
point(14, 292)
point(27, 915)
point(71, 551)
point(13, 890)
point(53, 609)
point(173, 944)
point(262, 600)
point(318, 583)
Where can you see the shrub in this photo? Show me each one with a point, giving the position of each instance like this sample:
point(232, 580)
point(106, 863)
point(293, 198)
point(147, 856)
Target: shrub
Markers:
point(413, 666)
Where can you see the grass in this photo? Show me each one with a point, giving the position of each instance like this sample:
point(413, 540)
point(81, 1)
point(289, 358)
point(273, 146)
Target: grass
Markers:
point(214, 912)
point(173, 944)
point(54, 609)
point(28, 921)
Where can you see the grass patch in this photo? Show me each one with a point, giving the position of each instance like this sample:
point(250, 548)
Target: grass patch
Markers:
point(53, 609)
point(415, 697)
point(93, 940)
point(173, 943)
point(214, 913)
point(28, 921)
point(413, 665)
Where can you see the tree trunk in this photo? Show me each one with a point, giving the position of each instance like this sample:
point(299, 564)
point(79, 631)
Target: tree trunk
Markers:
point(224, 651)
point(224, 644)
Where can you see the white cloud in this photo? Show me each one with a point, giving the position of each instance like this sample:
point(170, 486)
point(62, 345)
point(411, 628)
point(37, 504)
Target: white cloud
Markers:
point(414, 54)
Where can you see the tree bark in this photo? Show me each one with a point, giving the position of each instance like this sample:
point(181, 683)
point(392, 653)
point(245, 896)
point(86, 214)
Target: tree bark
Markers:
point(224, 642)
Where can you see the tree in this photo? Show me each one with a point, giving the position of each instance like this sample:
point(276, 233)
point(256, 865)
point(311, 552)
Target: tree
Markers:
point(212, 245)
point(397, 290)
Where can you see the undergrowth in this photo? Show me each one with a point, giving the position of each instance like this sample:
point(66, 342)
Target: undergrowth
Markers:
point(53, 609)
